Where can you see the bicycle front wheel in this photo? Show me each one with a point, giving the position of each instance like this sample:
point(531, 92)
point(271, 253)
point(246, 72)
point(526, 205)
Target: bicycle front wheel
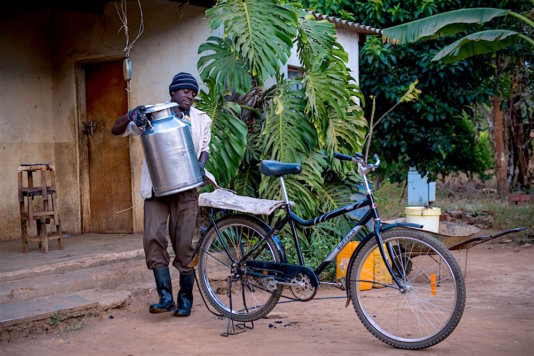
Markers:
point(432, 299)
point(224, 282)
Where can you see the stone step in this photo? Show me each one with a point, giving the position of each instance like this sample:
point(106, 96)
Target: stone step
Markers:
point(70, 264)
point(25, 317)
point(119, 275)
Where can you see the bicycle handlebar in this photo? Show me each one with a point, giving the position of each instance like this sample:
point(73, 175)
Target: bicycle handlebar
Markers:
point(342, 157)
point(358, 158)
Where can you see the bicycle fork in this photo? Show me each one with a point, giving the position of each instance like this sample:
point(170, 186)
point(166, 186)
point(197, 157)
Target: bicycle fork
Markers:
point(389, 262)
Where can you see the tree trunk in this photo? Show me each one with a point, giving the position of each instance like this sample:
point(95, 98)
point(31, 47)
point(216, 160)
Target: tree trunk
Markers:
point(500, 160)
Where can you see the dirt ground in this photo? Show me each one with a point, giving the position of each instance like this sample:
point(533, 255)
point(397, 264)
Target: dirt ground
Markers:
point(498, 320)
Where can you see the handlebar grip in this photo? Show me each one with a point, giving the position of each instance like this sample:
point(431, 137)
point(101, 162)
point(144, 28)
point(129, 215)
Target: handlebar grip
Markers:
point(342, 157)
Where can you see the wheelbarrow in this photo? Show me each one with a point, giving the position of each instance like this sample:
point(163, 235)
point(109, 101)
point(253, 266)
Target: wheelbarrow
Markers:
point(458, 237)
point(461, 236)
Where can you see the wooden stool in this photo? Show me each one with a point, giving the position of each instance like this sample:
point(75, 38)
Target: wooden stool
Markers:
point(31, 210)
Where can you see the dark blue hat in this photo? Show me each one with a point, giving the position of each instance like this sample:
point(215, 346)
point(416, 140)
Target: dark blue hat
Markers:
point(183, 80)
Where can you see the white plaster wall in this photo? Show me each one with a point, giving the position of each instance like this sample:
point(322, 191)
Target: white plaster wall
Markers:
point(347, 39)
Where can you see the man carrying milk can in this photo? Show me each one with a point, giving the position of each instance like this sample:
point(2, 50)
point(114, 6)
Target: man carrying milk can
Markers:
point(179, 210)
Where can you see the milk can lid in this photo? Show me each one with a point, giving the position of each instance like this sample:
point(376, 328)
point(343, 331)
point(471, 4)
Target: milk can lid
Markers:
point(159, 107)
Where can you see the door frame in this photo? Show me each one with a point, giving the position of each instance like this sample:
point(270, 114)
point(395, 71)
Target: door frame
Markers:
point(83, 143)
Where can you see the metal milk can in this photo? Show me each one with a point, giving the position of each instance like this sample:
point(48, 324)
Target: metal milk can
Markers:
point(169, 151)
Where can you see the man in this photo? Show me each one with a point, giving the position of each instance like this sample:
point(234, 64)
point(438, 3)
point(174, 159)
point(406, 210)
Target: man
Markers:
point(179, 209)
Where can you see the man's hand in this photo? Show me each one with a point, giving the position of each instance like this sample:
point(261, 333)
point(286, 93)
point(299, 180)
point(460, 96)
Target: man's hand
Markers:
point(138, 116)
point(202, 171)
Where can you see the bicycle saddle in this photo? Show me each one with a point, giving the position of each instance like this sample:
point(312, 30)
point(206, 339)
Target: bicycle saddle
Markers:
point(275, 168)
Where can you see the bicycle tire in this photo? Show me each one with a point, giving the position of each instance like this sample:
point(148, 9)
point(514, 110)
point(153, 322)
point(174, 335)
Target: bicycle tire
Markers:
point(431, 306)
point(250, 298)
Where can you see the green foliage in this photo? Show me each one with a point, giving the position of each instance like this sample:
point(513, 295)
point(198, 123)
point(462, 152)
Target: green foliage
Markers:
point(484, 148)
point(418, 133)
point(56, 318)
point(285, 123)
point(229, 134)
point(325, 85)
point(303, 120)
point(261, 32)
point(440, 25)
point(315, 39)
point(223, 66)
point(453, 22)
point(474, 44)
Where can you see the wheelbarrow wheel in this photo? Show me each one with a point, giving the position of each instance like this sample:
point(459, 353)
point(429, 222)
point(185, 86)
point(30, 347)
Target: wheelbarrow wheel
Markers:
point(431, 301)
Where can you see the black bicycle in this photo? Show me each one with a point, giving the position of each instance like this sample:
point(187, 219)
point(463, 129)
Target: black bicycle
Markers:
point(405, 286)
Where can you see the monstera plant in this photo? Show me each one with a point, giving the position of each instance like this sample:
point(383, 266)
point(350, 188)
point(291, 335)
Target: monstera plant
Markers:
point(302, 120)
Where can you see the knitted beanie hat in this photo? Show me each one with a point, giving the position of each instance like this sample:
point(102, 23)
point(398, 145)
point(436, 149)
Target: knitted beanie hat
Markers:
point(183, 81)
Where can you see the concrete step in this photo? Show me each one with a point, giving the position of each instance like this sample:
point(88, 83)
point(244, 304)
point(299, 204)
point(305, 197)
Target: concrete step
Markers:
point(116, 275)
point(22, 318)
point(72, 263)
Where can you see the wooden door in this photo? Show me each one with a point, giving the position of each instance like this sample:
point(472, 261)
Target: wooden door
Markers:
point(109, 156)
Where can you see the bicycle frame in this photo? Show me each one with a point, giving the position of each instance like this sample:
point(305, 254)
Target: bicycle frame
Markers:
point(372, 213)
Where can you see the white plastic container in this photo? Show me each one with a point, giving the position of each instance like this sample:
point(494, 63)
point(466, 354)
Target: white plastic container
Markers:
point(428, 217)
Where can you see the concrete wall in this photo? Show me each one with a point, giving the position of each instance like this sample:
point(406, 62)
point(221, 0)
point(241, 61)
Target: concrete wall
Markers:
point(26, 125)
point(40, 55)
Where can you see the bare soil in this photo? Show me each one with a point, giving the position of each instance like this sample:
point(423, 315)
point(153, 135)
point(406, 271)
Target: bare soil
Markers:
point(498, 320)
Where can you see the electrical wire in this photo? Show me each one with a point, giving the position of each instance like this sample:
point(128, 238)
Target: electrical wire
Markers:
point(122, 12)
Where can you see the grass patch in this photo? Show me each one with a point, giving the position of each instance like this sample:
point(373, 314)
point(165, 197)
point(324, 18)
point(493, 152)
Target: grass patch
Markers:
point(460, 193)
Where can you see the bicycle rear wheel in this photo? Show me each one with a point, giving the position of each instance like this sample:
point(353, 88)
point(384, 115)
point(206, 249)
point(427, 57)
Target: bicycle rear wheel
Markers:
point(433, 300)
point(251, 297)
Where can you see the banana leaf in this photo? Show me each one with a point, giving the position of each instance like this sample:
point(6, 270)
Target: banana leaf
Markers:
point(447, 23)
point(478, 43)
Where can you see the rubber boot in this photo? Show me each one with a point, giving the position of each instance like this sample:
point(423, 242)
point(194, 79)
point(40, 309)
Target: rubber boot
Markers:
point(185, 295)
point(164, 287)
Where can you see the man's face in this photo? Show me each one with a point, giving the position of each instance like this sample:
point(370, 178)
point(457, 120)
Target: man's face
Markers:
point(184, 98)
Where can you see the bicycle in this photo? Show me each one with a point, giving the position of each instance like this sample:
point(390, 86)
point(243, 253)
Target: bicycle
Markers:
point(415, 304)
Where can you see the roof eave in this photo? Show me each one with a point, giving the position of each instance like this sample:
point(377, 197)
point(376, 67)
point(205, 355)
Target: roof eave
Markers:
point(348, 25)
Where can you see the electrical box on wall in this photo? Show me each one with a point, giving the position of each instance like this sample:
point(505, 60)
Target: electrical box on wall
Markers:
point(420, 191)
point(127, 69)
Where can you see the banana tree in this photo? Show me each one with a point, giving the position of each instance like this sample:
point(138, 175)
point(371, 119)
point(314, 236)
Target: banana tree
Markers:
point(481, 42)
point(302, 120)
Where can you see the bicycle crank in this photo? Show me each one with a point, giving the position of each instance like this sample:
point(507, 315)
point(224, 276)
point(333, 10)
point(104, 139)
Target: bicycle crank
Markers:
point(284, 273)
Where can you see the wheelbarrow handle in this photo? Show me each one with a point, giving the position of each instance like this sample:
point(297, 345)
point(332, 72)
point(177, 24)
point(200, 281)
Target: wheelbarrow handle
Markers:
point(485, 238)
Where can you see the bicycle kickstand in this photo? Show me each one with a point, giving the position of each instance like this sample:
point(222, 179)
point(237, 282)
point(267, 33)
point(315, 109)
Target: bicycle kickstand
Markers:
point(241, 326)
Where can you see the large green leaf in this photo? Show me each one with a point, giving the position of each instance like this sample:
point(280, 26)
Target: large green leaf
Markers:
point(326, 88)
point(345, 135)
point(222, 65)
point(304, 188)
point(477, 43)
point(440, 25)
point(316, 40)
point(247, 181)
point(288, 135)
point(228, 134)
point(262, 32)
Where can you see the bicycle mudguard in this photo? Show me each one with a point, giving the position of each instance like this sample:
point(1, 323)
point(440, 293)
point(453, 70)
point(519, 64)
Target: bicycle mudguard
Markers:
point(260, 222)
point(364, 241)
